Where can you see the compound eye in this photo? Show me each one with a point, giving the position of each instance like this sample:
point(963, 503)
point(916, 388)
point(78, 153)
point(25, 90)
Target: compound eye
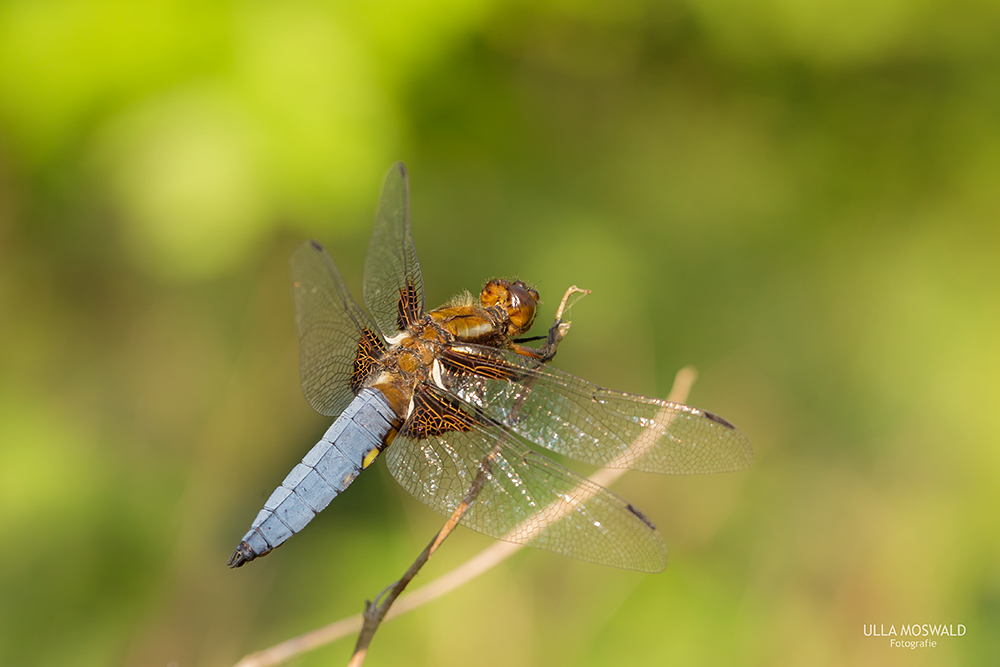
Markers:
point(521, 306)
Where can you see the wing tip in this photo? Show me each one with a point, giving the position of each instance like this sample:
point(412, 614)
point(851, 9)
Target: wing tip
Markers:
point(741, 456)
point(658, 561)
point(661, 565)
point(744, 459)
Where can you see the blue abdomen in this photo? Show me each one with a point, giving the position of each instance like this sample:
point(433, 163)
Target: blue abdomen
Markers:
point(349, 445)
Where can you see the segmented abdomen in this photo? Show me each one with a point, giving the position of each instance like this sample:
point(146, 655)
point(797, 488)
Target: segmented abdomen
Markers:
point(349, 445)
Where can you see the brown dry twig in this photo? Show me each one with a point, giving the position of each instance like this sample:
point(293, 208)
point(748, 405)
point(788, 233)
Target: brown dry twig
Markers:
point(376, 611)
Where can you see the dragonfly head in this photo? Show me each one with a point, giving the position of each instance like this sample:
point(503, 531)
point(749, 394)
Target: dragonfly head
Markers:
point(514, 299)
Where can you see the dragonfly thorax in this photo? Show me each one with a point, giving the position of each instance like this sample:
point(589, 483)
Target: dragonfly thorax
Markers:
point(505, 310)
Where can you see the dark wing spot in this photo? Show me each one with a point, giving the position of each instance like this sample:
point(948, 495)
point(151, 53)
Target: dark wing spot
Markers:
point(718, 420)
point(408, 307)
point(371, 349)
point(316, 246)
point(488, 367)
point(642, 517)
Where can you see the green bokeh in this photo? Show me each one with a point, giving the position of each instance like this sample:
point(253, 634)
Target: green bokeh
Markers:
point(798, 198)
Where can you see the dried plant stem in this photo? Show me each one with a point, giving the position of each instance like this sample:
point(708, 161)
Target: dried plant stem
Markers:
point(375, 610)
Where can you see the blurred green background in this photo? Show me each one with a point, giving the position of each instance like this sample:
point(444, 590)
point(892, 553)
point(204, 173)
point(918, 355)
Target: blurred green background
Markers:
point(799, 198)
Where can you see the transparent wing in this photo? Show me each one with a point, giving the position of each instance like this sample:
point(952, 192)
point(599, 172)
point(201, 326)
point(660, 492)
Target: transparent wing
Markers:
point(393, 287)
point(524, 497)
point(588, 423)
point(330, 325)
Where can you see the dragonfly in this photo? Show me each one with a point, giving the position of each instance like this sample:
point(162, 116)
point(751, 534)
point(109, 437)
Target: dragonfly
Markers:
point(460, 405)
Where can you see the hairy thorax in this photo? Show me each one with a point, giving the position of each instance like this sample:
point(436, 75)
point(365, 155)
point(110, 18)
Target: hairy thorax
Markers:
point(504, 310)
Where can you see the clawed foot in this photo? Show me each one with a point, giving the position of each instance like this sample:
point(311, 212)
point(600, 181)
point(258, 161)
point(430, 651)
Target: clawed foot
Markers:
point(558, 330)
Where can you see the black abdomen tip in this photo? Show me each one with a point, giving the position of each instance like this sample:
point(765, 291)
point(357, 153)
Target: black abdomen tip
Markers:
point(243, 554)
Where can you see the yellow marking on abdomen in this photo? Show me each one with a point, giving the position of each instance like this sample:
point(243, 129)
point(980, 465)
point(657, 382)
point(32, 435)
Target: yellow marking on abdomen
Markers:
point(369, 458)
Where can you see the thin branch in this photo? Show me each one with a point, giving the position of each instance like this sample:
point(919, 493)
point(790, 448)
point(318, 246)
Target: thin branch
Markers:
point(375, 610)
point(482, 562)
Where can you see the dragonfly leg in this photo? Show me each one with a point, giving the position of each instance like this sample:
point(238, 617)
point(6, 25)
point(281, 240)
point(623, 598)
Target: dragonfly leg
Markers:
point(556, 333)
point(547, 351)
